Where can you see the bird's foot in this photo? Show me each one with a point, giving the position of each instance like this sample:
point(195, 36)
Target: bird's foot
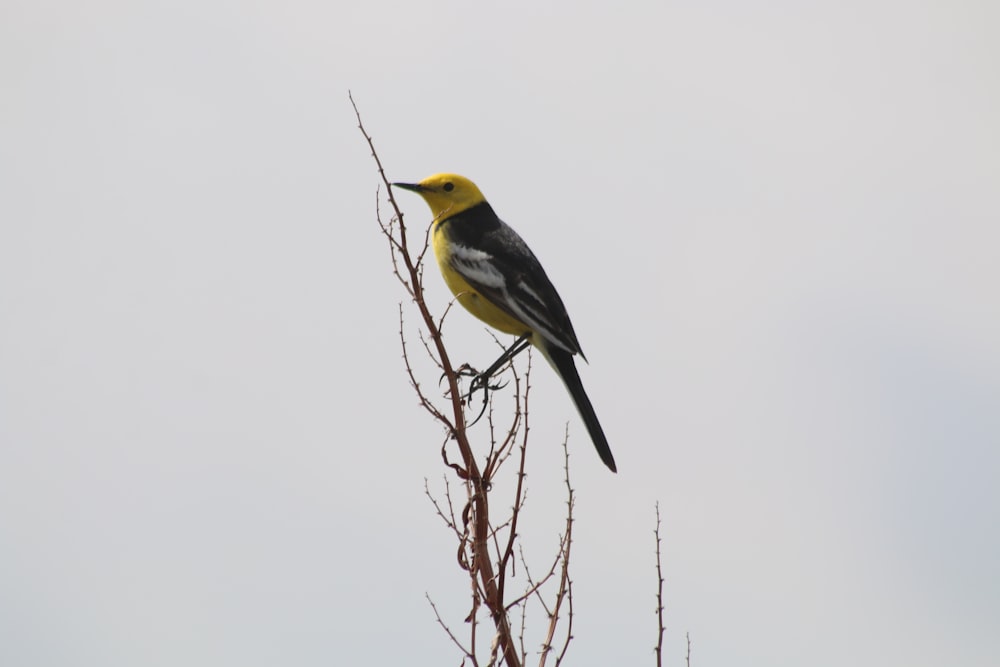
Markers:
point(481, 382)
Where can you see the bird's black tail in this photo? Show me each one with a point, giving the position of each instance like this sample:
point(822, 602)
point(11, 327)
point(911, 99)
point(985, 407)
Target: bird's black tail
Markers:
point(562, 362)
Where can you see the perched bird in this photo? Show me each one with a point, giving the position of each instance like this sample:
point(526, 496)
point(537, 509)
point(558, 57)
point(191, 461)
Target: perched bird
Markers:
point(497, 278)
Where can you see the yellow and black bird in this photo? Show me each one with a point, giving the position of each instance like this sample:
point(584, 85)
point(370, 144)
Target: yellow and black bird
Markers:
point(494, 274)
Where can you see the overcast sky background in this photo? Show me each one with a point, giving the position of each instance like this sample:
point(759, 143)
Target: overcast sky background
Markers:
point(776, 228)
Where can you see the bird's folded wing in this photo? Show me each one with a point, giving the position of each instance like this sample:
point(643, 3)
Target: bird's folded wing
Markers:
point(514, 281)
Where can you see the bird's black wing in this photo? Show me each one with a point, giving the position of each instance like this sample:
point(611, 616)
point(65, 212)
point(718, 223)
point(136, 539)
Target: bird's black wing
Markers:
point(498, 264)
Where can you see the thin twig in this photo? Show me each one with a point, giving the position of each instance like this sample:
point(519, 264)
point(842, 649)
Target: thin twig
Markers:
point(448, 519)
point(565, 583)
point(565, 592)
point(659, 592)
point(450, 634)
point(534, 587)
point(508, 552)
point(424, 401)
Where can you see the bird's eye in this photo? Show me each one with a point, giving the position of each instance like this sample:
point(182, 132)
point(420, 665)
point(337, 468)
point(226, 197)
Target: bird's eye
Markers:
point(449, 186)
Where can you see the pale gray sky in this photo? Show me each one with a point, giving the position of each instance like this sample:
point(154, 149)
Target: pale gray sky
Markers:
point(785, 230)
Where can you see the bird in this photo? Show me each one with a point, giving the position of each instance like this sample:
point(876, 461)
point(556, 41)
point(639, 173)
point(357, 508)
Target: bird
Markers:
point(494, 274)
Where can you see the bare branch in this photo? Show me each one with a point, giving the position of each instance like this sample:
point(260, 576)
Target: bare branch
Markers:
point(535, 586)
point(424, 401)
point(508, 552)
point(474, 529)
point(659, 592)
point(565, 583)
point(468, 654)
point(448, 519)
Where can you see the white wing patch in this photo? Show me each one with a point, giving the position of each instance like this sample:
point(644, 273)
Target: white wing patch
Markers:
point(477, 266)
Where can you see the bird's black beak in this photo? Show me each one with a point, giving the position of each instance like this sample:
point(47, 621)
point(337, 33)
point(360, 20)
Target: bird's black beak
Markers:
point(415, 187)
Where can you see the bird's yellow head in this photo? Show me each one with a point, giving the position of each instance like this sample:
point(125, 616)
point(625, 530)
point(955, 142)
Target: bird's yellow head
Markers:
point(446, 194)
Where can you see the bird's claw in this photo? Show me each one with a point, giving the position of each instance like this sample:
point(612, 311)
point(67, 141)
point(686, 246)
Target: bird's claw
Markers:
point(480, 382)
point(463, 371)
